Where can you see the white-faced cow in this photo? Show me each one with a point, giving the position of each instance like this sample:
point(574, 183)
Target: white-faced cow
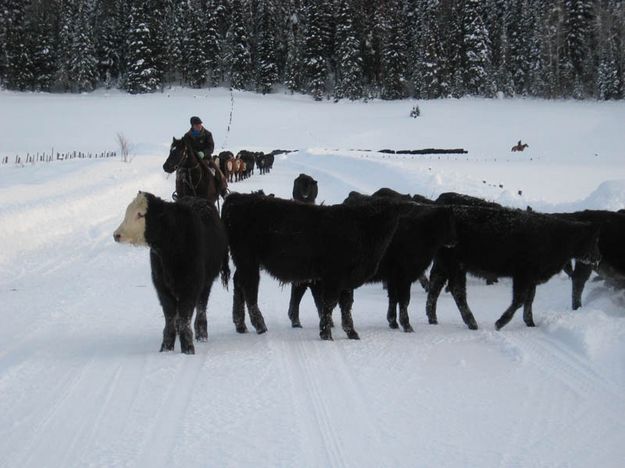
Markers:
point(188, 250)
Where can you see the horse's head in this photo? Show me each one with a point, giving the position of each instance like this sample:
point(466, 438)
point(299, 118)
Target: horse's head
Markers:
point(178, 153)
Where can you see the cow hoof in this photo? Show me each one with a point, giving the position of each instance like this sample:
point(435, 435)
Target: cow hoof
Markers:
point(190, 350)
point(530, 323)
point(352, 335)
point(472, 325)
point(499, 325)
point(393, 325)
point(326, 336)
point(408, 329)
point(432, 320)
point(241, 329)
point(296, 325)
point(166, 349)
point(261, 330)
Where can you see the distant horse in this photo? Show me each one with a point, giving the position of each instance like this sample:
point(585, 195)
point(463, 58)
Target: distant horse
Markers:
point(194, 177)
point(520, 146)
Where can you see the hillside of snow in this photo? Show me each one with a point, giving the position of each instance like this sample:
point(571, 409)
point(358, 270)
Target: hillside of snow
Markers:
point(82, 382)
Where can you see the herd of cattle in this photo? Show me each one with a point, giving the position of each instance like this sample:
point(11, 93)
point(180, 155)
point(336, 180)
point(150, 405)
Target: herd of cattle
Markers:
point(242, 165)
point(386, 237)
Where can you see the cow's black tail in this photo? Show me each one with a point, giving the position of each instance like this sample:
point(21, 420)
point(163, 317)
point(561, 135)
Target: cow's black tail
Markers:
point(225, 269)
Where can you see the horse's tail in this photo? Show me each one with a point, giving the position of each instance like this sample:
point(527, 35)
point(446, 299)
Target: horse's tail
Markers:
point(225, 269)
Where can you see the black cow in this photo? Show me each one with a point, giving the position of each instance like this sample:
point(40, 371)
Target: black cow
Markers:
point(338, 247)
point(249, 158)
point(188, 250)
point(611, 227)
point(417, 239)
point(260, 162)
point(305, 190)
point(528, 247)
point(269, 158)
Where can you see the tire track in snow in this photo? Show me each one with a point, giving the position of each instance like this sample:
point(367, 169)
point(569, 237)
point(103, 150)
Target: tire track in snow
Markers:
point(297, 364)
point(160, 437)
point(308, 365)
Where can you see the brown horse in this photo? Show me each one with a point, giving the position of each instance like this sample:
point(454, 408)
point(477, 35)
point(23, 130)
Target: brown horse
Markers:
point(519, 146)
point(194, 177)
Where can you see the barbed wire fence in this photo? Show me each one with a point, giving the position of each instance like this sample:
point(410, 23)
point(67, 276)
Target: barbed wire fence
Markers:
point(52, 156)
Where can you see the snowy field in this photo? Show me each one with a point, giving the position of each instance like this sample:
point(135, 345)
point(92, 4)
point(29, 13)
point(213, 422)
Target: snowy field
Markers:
point(82, 382)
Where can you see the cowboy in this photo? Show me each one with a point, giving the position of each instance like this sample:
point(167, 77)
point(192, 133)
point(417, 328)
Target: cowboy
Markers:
point(202, 144)
point(201, 139)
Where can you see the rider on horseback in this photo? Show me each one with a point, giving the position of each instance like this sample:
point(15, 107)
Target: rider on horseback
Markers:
point(201, 139)
point(202, 143)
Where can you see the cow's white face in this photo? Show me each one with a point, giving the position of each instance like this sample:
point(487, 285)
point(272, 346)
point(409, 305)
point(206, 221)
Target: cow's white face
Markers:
point(132, 228)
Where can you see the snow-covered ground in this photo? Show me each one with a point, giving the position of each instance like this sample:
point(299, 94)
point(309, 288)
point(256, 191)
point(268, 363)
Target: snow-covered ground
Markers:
point(82, 383)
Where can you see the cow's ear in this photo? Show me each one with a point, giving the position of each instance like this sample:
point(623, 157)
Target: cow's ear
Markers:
point(139, 192)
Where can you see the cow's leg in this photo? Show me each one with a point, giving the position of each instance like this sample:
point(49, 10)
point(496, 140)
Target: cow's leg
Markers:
point(528, 316)
point(403, 290)
point(168, 303)
point(297, 292)
point(519, 295)
point(580, 275)
point(425, 284)
point(316, 289)
point(391, 312)
point(250, 288)
point(201, 325)
point(438, 278)
point(330, 299)
point(170, 306)
point(346, 300)
point(458, 288)
point(183, 324)
point(238, 304)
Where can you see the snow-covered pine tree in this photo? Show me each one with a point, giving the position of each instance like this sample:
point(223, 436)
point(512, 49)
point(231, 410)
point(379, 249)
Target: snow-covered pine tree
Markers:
point(195, 61)
point(477, 54)
point(314, 64)
point(394, 59)
point(108, 40)
point(238, 50)
point(429, 69)
point(266, 61)
point(4, 13)
point(348, 75)
point(19, 66)
point(82, 64)
point(212, 45)
point(42, 39)
point(293, 46)
point(141, 76)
